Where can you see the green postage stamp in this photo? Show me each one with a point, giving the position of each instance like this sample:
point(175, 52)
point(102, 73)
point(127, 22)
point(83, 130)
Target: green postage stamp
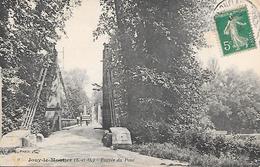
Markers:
point(235, 31)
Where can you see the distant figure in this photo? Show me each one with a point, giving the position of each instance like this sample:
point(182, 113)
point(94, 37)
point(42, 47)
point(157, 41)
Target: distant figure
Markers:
point(80, 121)
point(88, 119)
point(87, 122)
point(231, 29)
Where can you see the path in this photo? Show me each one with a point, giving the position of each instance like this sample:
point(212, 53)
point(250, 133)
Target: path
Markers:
point(80, 146)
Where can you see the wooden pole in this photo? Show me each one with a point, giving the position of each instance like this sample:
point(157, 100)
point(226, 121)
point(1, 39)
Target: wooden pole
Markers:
point(106, 116)
point(1, 114)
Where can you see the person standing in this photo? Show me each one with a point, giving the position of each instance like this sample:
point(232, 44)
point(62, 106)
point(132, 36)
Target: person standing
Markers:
point(80, 120)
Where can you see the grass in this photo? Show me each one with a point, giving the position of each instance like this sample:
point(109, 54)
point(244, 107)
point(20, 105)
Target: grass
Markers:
point(172, 152)
point(5, 151)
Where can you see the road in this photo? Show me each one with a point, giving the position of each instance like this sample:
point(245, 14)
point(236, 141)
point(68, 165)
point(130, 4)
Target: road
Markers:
point(80, 146)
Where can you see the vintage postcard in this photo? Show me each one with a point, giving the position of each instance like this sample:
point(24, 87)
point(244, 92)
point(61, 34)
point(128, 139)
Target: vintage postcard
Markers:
point(130, 83)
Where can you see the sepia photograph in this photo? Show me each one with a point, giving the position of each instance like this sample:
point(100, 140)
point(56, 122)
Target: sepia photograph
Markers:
point(130, 83)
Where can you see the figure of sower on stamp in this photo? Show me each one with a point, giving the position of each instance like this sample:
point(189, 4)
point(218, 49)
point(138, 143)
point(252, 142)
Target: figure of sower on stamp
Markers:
point(234, 30)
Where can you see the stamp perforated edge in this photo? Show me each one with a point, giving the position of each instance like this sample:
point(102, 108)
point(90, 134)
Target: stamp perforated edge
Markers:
point(228, 9)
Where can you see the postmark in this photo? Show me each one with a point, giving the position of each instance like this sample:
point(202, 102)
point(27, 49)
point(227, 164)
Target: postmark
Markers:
point(235, 31)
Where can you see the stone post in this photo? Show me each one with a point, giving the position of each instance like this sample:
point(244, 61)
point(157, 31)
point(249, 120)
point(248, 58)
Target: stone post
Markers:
point(93, 114)
point(99, 114)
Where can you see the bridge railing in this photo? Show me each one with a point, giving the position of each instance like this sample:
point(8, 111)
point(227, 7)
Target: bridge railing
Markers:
point(68, 122)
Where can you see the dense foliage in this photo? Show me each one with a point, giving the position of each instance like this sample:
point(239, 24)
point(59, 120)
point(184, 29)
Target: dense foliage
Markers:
point(29, 31)
point(159, 86)
point(233, 99)
point(161, 90)
point(157, 79)
point(192, 156)
point(75, 82)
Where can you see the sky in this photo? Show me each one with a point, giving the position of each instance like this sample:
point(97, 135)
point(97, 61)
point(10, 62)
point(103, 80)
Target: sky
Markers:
point(81, 52)
point(242, 61)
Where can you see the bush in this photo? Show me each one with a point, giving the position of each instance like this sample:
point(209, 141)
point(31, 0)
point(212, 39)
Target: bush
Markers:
point(219, 145)
point(165, 150)
point(212, 161)
point(173, 152)
point(149, 131)
point(42, 127)
point(5, 151)
point(193, 139)
point(68, 123)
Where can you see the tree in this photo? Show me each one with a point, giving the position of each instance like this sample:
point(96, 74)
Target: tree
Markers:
point(233, 99)
point(28, 34)
point(159, 78)
point(75, 82)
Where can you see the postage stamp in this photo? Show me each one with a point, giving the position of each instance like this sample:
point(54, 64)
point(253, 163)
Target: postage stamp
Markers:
point(235, 31)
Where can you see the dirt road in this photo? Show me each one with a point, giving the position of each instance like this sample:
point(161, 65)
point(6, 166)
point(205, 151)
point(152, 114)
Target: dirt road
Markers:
point(80, 146)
